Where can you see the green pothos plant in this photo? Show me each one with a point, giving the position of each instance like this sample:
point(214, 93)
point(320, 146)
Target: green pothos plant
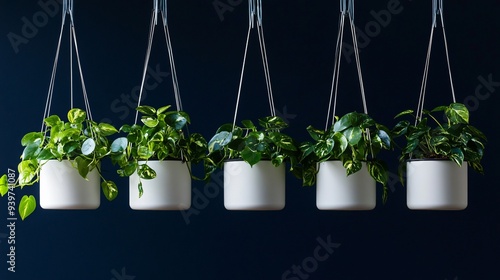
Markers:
point(251, 144)
point(160, 137)
point(353, 139)
point(82, 141)
point(453, 138)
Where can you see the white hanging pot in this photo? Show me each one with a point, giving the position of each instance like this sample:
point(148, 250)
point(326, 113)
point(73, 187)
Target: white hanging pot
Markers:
point(170, 190)
point(62, 187)
point(257, 187)
point(436, 185)
point(337, 191)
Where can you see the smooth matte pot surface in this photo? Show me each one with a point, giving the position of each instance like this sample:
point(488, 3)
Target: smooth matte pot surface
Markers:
point(436, 185)
point(337, 191)
point(170, 190)
point(62, 187)
point(261, 187)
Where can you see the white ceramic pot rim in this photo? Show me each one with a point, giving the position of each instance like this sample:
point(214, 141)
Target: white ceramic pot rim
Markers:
point(430, 159)
point(365, 161)
point(338, 160)
point(160, 160)
point(240, 159)
point(44, 161)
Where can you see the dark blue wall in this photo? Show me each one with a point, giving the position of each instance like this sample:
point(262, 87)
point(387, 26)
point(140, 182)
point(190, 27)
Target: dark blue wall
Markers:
point(390, 242)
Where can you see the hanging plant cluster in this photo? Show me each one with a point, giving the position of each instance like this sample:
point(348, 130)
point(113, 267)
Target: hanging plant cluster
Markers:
point(262, 154)
point(79, 145)
point(160, 143)
point(354, 142)
point(67, 157)
point(157, 156)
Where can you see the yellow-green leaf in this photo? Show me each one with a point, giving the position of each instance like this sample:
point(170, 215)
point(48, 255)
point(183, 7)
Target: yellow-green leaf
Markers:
point(163, 109)
point(147, 110)
point(27, 206)
point(107, 129)
point(76, 116)
point(52, 121)
point(4, 186)
point(31, 137)
point(150, 121)
point(27, 171)
point(146, 172)
point(458, 113)
point(109, 189)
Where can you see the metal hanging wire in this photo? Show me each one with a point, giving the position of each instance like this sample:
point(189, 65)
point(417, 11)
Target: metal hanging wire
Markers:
point(67, 11)
point(346, 11)
point(255, 21)
point(437, 10)
point(160, 8)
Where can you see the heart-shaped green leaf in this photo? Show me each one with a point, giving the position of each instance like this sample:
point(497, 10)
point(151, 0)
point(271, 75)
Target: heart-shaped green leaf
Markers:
point(107, 129)
point(69, 147)
point(4, 185)
point(129, 169)
point(386, 139)
point(323, 148)
point(277, 159)
point(27, 206)
point(109, 189)
point(283, 141)
point(147, 110)
point(52, 121)
point(144, 152)
point(135, 136)
point(146, 172)
point(458, 113)
point(348, 120)
point(250, 156)
point(378, 171)
point(162, 110)
point(306, 149)
point(177, 120)
point(352, 167)
point(353, 134)
point(248, 124)
point(150, 121)
point(76, 116)
point(273, 123)
point(219, 140)
point(82, 165)
point(31, 137)
point(27, 171)
point(341, 144)
point(457, 156)
point(31, 151)
point(315, 134)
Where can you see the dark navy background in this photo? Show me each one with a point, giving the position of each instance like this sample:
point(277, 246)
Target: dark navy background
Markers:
point(390, 242)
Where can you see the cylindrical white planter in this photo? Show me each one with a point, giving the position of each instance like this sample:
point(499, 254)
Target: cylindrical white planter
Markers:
point(170, 190)
point(436, 185)
point(62, 187)
point(257, 187)
point(337, 191)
